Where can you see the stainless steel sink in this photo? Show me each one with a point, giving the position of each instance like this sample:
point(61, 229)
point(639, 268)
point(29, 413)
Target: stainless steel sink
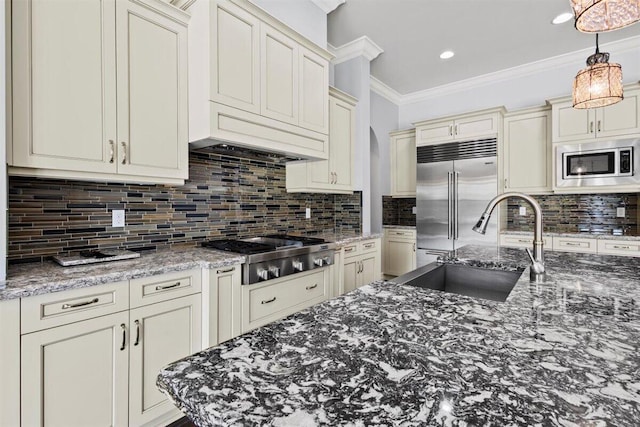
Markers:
point(475, 282)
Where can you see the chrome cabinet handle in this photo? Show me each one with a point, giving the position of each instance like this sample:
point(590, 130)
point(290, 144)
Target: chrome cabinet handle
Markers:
point(414, 247)
point(590, 127)
point(336, 174)
point(571, 244)
point(369, 245)
point(124, 336)
point(111, 150)
point(620, 247)
point(268, 301)
point(228, 270)
point(505, 183)
point(311, 287)
point(449, 208)
point(525, 241)
point(599, 125)
point(137, 322)
point(80, 304)
point(450, 130)
point(455, 203)
point(162, 288)
point(350, 249)
point(455, 129)
point(124, 152)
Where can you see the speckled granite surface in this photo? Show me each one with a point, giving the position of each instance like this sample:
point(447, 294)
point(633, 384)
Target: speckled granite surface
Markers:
point(30, 279)
point(562, 353)
point(404, 227)
point(35, 279)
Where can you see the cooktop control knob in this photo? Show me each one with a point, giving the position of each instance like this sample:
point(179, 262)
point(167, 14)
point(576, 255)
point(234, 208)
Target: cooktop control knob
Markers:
point(263, 274)
point(327, 260)
point(319, 262)
point(275, 272)
point(298, 265)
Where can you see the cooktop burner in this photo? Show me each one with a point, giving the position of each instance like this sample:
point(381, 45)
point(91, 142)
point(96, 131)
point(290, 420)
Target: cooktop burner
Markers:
point(257, 245)
point(238, 246)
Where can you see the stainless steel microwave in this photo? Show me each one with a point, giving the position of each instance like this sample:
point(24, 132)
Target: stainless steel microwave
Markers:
point(603, 163)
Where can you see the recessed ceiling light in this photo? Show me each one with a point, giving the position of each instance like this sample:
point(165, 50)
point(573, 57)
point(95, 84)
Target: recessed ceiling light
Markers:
point(562, 18)
point(446, 54)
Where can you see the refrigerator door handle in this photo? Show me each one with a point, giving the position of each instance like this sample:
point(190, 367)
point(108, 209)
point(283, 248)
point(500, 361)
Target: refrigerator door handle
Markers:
point(449, 205)
point(455, 205)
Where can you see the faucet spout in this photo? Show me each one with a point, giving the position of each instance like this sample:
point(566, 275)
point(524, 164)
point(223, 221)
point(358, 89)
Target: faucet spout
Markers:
point(537, 271)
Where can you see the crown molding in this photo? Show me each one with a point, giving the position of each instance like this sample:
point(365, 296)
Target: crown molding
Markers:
point(182, 4)
point(328, 6)
point(574, 58)
point(362, 46)
point(385, 91)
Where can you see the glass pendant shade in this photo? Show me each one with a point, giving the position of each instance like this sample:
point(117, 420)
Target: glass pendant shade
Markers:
point(598, 85)
point(597, 16)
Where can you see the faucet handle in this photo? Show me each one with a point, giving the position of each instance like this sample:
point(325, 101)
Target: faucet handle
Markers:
point(530, 255)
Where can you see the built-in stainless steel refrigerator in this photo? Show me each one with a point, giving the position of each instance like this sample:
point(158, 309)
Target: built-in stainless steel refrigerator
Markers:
point(455, 181)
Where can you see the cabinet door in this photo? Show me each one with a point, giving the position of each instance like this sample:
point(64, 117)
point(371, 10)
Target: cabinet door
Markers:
point(570, 124)
point(64, 85)
point(160, 334)
point(152, 93)
point(76, 375)
point(341, 139)
point(400, 256)
point(619, 119)
point(279, 76)
point(475, 126)
point(434, 133)
point(235, 64)
point(314, 81)
point(403, 166)
point(224, 305)
point(351, 275)
point(369, 265)
point(527, 153)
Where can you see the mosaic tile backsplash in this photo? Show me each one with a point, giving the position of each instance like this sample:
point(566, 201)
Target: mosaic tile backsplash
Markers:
point(228, 194)
point(398, 211)
point(574, 213)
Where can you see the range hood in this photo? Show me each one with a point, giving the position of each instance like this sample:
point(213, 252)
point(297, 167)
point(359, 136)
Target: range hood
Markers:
point(255, 83)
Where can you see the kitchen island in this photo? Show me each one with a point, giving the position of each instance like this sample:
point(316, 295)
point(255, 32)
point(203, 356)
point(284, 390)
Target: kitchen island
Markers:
point(565, 352)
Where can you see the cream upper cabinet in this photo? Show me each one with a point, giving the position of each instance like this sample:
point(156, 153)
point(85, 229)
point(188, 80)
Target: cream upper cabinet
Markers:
point(109, 105)
point(613, 121)
point(403, 163)
point(526, 155)
point(334, 175)
point(479, 124)
point(235, 77)
point(268, 85)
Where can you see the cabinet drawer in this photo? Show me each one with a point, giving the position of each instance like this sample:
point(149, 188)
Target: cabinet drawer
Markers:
point(400, 233)
point(619, 247)
point(522, 241)
point(569, 244)
point(280, 297)
point(149, 290)
point(61, 308)
point(369, 246)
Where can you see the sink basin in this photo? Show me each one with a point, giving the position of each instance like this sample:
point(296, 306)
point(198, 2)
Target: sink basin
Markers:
point(460, 279)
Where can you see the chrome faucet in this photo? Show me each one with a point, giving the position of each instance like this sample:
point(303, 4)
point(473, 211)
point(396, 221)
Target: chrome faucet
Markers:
point(536, 272)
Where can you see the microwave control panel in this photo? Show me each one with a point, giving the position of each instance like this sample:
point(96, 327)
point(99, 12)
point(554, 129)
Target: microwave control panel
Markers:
point(626, 161)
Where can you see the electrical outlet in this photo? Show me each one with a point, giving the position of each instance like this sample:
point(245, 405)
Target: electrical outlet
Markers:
point(117, 218)
point(414, 210)
point(523, 210)
point(307, 213)
point(621, 212)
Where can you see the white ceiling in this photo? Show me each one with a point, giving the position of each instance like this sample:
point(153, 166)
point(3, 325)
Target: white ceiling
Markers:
point(486, 36)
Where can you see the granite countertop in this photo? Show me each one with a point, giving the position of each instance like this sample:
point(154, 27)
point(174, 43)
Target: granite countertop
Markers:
point(24, 280)
point(564, 352)
point(598, 236)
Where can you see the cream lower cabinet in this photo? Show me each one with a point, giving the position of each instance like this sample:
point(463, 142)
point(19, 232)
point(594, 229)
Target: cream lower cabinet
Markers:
point(110, 104)
point(398, 251)
point(88, 359)
point(222, 305)
point(526, 153)
point(77, 374)
point(403, 163)
point(334, 175)
point(263, 303)
point(362, 264)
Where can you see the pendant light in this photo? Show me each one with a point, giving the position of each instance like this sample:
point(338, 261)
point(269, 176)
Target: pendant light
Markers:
point(599, 84)
point(597, 16)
